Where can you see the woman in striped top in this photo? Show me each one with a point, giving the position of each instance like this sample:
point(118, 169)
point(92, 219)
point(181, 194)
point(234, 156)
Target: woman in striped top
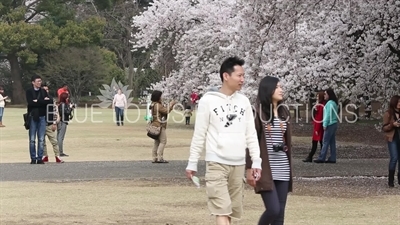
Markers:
point(273, 127)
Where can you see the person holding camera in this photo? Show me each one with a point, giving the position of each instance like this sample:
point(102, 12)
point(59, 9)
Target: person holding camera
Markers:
point(159, 114)
point(274, 136)
point(391, 127)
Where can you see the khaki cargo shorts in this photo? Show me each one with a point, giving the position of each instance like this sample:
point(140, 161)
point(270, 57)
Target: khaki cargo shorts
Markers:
point(224, 185)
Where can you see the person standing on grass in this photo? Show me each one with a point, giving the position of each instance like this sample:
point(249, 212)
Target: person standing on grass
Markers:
point(225, 128)
point(318, 130)
point(2, 105)
point(274, 136)
point(159, 115)
point(188, 114)
point(391, 127)
point(119, 104)
point(37, 100)
point(64, 111)
point(330, 125)
point(52, 119)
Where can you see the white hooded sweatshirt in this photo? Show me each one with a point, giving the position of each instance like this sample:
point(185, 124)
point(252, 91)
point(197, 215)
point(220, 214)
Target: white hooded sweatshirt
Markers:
point(225, 127)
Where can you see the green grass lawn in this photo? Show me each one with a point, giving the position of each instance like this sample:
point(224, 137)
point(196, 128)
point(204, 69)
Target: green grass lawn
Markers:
point(93, 136)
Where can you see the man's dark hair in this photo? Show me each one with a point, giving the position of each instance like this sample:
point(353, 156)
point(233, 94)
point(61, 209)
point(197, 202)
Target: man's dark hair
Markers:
point(34, 77)
point(228, 66)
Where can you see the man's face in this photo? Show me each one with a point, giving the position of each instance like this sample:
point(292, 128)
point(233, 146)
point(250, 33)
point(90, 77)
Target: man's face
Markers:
point(236, 79)
point(37, 83)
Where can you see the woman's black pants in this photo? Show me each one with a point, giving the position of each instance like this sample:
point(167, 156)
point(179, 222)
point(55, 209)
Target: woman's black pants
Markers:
point(275, 202)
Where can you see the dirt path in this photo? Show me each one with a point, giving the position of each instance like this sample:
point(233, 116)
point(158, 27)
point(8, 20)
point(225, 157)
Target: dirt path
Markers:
point(71, 171)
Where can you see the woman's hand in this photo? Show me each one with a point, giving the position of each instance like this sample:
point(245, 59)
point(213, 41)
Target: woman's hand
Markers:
point(396, 124)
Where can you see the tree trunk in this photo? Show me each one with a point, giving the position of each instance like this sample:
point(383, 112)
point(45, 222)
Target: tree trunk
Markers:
point(18, 93)
point(131, 74)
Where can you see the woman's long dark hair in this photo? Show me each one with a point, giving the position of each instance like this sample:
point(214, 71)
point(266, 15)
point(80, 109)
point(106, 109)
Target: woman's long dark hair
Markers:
point(332, 96)
point(155, 97)
point(393, 105)
point(266, 89)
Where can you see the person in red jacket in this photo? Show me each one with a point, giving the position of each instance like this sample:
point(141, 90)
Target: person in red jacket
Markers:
point(63, 89)
point(318, 130)
point(194, 97)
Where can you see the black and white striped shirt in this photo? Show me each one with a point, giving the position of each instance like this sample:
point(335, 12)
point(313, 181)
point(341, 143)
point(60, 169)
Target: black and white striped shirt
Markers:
point(278, 161)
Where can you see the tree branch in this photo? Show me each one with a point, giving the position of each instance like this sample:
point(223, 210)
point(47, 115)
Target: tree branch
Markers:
point(394, 50)
point(31, 17)
point(333, 5)
point(32, 4)
point(118, 21)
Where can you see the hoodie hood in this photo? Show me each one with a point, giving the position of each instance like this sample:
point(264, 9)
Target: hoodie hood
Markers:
point(216, 92)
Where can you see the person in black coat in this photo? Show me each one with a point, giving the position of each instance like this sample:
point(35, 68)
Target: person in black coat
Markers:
point(37, 101)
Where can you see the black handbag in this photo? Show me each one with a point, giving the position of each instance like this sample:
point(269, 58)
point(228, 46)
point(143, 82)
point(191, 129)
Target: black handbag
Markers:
point(27, 120)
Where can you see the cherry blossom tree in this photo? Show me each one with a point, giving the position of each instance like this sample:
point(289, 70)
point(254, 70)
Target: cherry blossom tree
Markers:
point(195, 33)
point(351, 46)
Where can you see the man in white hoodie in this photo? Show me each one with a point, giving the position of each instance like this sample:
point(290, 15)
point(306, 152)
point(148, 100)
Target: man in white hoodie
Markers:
point(225, 127)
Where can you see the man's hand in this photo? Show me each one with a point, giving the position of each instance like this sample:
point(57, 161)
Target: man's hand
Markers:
point(324, 128)
point(34, 100)
point(256, 174)
point(190, 173)
point(46, 98)
point(252, 176)
point(54, 127)
point(396, 124)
